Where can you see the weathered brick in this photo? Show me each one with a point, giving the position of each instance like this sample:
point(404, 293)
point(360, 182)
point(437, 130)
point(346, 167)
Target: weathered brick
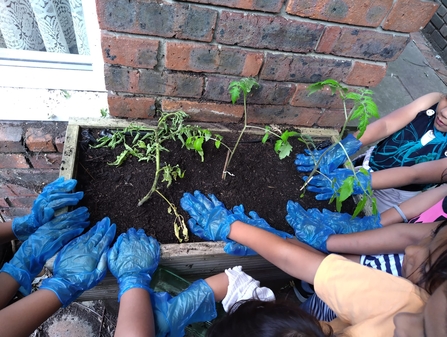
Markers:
point(117, 15)
point(282, 114)
point(442, 11)
point(208, 58)
point(273, 6)
point(329, 39)
point(131, 107)
point(319, 99)
point(429, 28)
point(443, 31)
point(14, 190)
point(410, 15)
point(13, 160)
point(368, 44)
point(3, 203)
point(205, 111)
point(182, 21)
point(120, 78)
point(33, 179)
point(366, 74)
point(333, 119)
point(170, 84)
point(272, 93)
point(368, 13)
point(21, 202)
point(216, 88)
point(46, 160)
point(303, 69)
point(127, 50)
point(59, 141)
point(37, 140)
point(260, 31)
point(11, 139)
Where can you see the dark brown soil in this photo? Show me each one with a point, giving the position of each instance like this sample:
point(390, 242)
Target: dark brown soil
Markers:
point(259, 181)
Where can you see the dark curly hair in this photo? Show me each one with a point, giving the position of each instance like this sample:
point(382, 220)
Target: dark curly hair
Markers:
point(268, 319)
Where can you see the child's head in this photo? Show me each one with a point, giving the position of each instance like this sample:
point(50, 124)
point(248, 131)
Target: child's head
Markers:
point(431, 322)
point(268, 319)
point(425, 264)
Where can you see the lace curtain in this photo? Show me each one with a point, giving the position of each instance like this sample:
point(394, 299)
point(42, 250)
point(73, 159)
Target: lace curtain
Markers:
point(55, 26)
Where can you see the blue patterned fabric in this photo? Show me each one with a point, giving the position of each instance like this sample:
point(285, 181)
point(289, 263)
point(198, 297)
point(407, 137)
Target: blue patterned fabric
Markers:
point(403, 148)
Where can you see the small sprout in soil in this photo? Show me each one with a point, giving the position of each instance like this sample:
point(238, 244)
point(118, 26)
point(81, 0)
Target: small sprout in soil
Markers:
point(147, 145)
point(363, 109)
point(282, 146)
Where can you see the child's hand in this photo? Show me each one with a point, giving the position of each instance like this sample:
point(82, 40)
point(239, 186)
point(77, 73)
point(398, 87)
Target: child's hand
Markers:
point(54, 196)
point(210, 220)
point(333, 158)
point(43, 244)
point(133, 259)
point(326, 185)
point(82, 263)
point(309, 230)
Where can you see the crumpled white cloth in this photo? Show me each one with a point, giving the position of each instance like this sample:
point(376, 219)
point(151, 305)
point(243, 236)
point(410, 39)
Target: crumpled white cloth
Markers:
point(244, 287)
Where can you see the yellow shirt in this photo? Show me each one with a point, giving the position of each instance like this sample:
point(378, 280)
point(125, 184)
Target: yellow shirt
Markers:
point(365, 299)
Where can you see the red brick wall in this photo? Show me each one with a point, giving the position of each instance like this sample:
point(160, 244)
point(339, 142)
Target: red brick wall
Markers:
point(30, 157)
point(183, 54)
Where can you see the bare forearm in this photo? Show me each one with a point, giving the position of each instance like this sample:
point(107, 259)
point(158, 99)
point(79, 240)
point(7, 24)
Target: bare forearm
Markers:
point(219, 284)
point(6, 233)
point(293, 259)
point(9, 289)
point(24, 316)
point(135, 317)
point(390, 239)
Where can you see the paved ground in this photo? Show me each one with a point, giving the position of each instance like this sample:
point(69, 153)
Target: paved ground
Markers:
point(416, 72)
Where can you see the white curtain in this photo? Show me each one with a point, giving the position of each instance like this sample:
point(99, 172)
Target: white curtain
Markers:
point(55, 26)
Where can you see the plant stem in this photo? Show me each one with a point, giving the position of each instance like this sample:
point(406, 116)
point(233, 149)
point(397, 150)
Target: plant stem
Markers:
point(157, 172)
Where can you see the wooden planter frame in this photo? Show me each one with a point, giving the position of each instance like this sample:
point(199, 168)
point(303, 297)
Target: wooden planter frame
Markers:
point(188, 260)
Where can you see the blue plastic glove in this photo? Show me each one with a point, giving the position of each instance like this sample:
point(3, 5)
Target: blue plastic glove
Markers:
point(46, 241)
point(173, 314)
point(210, 220)
point(332, 159)
point(307, 229)
point(54, 196)
point(253, 219)
point(133, 259)
point(343, 223)
point(82, 263)
point(327, 185)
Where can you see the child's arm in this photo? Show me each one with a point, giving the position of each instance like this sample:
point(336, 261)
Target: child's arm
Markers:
point(24, 316)
point(414, 206)
point(424, 173)
point(397, 119)
point(294, 260)
point(389, 239)
point(6, 233)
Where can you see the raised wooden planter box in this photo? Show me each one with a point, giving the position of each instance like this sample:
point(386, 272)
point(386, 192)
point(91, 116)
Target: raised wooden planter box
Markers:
point(188, 260)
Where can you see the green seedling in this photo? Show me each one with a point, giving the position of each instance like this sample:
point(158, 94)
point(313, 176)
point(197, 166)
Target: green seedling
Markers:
point(147, 145)
point(282, 145)
point(363, 109)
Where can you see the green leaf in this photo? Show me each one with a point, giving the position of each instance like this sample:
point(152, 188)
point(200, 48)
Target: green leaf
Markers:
point(361, 204)
point(346, 188)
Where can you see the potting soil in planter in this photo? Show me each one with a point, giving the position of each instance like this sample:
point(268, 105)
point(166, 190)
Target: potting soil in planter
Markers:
point(258, 179)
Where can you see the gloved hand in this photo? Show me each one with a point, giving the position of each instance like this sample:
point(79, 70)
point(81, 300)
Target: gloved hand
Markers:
point(332, 159)
point(253, 219)
point(327, 185)
point(54, 196)
point(133, 259)
point(343, 223)
point(210, 220)
point(307, 229)
point(48, 239)
point(82, 263)
point(173, 314)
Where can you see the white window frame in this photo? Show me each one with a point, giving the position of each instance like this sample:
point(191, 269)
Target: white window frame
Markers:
point(31, 69)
